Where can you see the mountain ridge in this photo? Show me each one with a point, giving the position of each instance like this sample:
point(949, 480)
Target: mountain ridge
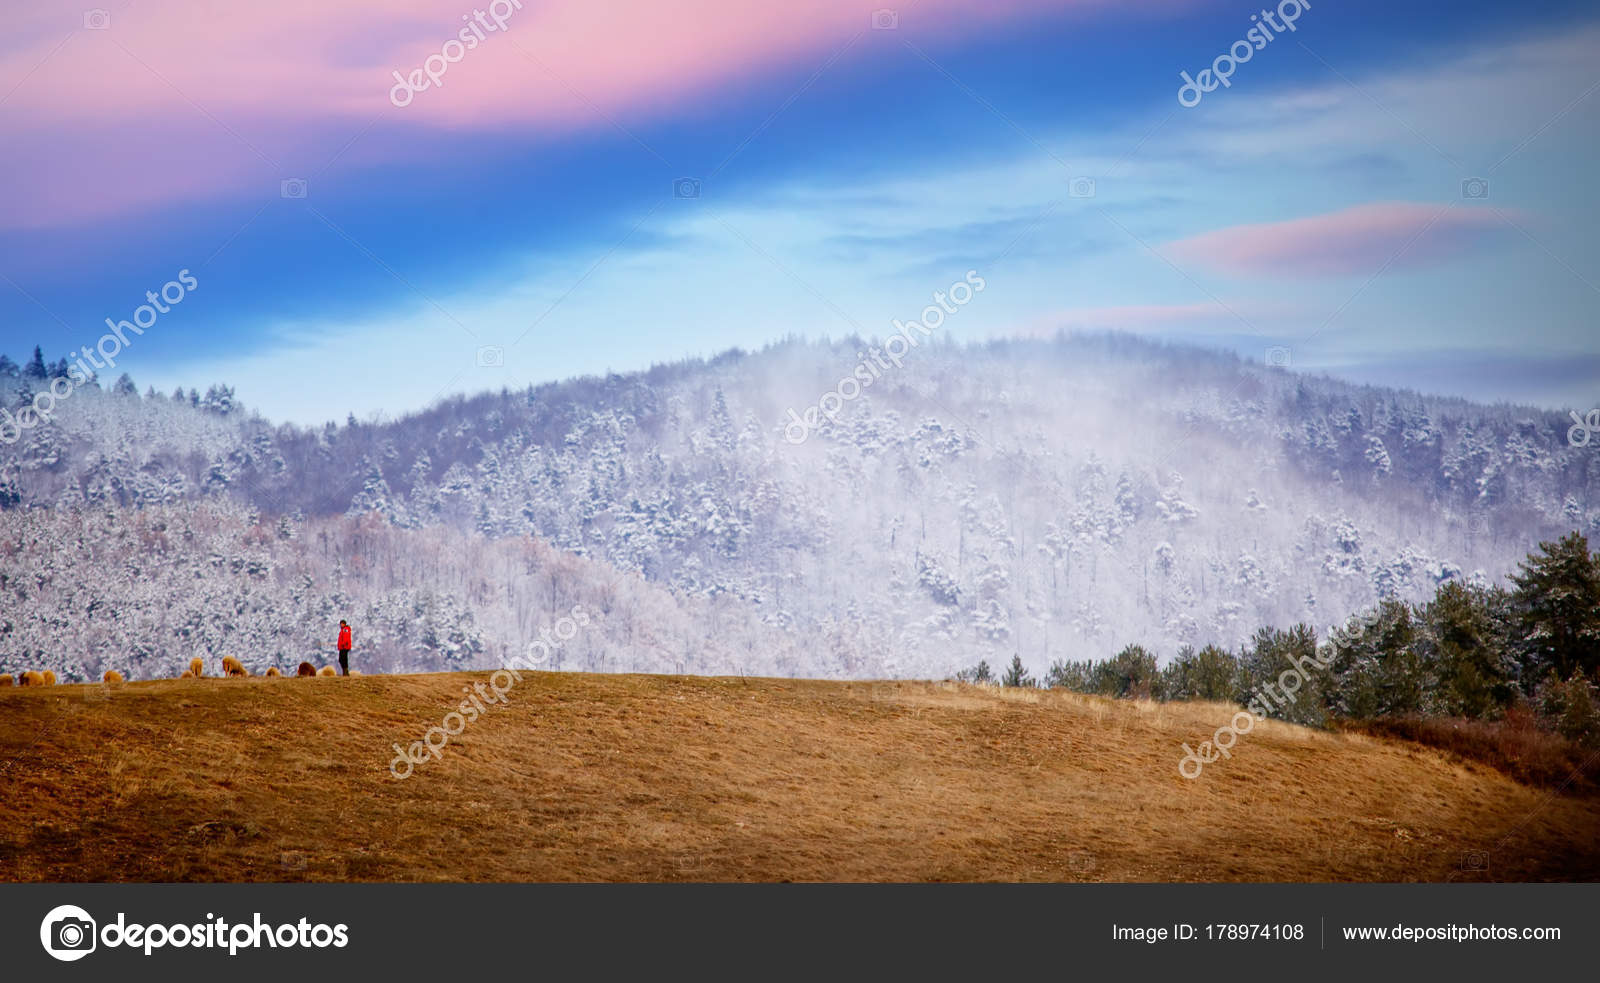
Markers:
point(1047, 498)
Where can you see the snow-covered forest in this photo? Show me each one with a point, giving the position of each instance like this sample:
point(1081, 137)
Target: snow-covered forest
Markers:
point(1050, 499)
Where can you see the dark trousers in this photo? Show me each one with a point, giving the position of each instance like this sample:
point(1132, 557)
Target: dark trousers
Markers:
point(344, 662)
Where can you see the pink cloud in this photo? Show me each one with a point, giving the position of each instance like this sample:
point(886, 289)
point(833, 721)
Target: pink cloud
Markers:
point(1357, 241)
point(222, 82)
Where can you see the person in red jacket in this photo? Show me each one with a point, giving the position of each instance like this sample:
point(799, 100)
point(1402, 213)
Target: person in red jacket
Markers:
point(344, 647)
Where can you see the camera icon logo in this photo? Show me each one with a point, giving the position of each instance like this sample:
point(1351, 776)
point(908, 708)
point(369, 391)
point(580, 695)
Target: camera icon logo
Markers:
point(1278, 357)
point(885, 19)
point(1475, 188)
point(1475, 860)
point(97, 19)
point(686, 187)
point(68, 933)
point(1081, 187)
point(294, 187)
point(491, 357)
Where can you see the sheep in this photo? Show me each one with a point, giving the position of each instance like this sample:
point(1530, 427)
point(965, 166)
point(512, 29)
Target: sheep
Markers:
point(272, 672)
point(113, 676)
point(31, 678)
point(306, 669)
point(233, 667)
point(49, 677)
point(327, 671)
point(186, 674)
point(197, 667)
point(6, 680)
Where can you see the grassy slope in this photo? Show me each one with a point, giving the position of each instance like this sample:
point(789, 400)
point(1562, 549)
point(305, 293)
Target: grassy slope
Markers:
point(591, 777)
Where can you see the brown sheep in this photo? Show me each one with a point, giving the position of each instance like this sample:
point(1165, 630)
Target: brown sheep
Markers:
point(327, 671)
point(31, 678)
point(113, 676)
point(273, 672)
point(49, 677)
point(233, 667)
point(306, 669)
point(197, 667)
point(186, 674)
point(6, 680)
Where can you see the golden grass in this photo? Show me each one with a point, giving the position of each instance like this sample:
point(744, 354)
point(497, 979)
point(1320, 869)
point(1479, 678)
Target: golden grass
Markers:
point(599, 777)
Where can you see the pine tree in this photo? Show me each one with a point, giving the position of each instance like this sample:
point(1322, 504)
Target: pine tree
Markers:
point(1557, 603)
point(1210, 674)
point(1069, 675)
point(1276, 658)
point(1462, 654)
point(1130, 674)
point(1016, 675)
point(36, 369)
point(1377, 673)
point(980, 673)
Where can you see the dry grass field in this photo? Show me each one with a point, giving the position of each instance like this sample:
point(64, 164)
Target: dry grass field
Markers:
point(654, 778)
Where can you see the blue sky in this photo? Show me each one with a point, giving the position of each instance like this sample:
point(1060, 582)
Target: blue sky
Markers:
point(1315, 205)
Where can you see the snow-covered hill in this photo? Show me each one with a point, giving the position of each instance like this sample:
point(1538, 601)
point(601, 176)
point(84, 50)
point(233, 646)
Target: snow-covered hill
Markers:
point(1052, 498)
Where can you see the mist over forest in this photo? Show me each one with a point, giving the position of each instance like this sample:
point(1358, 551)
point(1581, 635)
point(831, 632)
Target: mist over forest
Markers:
point(1049, 499)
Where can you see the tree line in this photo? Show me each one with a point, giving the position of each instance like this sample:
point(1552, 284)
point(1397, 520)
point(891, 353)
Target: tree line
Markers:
point(1473, 652)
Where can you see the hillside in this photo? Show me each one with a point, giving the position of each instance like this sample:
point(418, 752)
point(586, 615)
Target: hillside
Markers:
point(1050, 499)
point(630, 777)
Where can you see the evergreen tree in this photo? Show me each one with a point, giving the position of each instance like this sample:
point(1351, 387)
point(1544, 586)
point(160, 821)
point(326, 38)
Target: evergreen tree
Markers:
point(1131, 673)
point(219, 400)
point(1557, 605)
point(980, 673)
point(1376, 672)
point(1016, 675)
point(1069, 675)
point(1210, 674)
point(1572, 706)
point(1464, 658)
point(36, 369)
point(1281, 678)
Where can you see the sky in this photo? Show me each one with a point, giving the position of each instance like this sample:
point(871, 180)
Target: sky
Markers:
point(1394, 192)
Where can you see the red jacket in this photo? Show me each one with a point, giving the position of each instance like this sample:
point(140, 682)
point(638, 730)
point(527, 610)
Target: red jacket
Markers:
point(344, 637)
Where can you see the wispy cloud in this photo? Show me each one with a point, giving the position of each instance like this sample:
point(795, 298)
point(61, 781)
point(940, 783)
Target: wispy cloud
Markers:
point(242, 86)
point(1357, 241)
